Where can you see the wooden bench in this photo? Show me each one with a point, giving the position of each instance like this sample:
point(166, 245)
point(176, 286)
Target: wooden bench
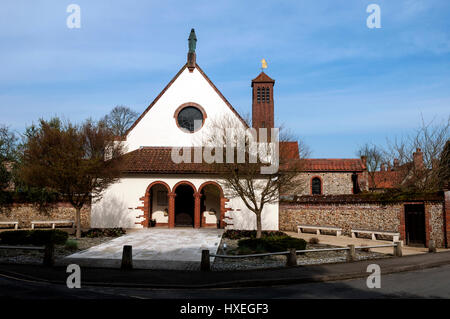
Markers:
point(374, 233)
point(15, 223)
point(52, 222)
point(338, 230)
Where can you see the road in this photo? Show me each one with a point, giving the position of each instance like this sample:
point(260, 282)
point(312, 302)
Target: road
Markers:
point(428, 283)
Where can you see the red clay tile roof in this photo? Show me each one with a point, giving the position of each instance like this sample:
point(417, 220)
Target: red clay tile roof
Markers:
point(159, 160)
point(333, 165)
point(384, 179)
point(262, 77)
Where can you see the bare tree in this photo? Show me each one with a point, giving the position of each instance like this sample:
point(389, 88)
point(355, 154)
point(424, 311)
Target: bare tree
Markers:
point(374, 158)
point(444, 167)
point(70, 160)
point(253, 180)
point(120, 119)
point(419, 155)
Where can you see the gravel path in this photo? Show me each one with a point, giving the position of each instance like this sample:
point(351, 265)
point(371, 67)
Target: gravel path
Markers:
point(280, 261)
point(34, 257)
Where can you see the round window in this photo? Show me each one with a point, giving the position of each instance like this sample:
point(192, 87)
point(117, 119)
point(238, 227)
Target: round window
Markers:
point(190, 118)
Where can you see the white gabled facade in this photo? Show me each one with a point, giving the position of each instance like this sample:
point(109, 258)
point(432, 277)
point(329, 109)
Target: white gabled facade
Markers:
point(158, 126)
point(137, 199)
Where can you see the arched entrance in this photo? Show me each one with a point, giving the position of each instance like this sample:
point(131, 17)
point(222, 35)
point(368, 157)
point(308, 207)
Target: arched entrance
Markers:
point(158, 205)
point(184, 205)
point(212, 205)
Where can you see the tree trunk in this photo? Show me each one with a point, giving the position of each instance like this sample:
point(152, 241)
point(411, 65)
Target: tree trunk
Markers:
point(258, 225)
point(78, 222)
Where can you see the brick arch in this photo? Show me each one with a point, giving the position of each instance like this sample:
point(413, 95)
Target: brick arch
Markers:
point(321, 184)
point(211, 183)
point(157, 183)
point(196, 204)
point(223, 201)
point(146, 203)
point(184, 183)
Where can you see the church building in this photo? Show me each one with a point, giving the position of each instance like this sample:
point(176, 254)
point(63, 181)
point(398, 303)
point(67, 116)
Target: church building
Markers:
point(155, 191)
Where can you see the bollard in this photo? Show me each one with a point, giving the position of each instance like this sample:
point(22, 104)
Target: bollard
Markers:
point(205, 264)
point(398, 249)
point(351, 253)
point(49, 254)
point(291, 257)
point(127, 257)
point(431, 246)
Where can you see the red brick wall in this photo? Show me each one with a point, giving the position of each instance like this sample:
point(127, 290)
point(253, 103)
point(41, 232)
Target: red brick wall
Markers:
point(262, 111)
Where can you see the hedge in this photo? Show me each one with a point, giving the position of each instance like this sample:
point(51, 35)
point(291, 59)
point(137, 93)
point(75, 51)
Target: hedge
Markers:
point(238, 234)
point(104, 232)
point(33, 237)
point(272, 244)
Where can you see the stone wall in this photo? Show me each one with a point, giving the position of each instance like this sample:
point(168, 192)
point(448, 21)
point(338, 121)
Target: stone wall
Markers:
point(363, 215)
point(435, 212)
point(25, 213)
point(333, 183)
point(447, 217)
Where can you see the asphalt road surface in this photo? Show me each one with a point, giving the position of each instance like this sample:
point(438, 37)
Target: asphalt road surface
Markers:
point(428, 283)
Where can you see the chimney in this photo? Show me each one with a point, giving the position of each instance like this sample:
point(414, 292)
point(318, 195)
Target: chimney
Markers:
point(364, 161)
point(382, 167)
point(418, 159)
point(396, 164)
point(191, 57)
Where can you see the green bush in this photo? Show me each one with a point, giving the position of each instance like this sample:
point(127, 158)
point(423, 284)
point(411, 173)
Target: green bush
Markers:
point(103, 232)
point(239, 234)
point(272, 244)
point(71, 245)
point(33, 237)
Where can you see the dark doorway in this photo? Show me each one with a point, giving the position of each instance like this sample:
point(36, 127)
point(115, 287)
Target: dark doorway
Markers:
point(415, 225)
point(184, 206)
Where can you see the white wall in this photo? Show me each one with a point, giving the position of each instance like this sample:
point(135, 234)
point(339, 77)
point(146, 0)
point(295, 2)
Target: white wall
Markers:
point(118, 206)
point(158, 127)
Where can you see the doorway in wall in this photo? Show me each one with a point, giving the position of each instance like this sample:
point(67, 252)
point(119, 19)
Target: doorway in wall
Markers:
point(415, 225)
point(184, 206)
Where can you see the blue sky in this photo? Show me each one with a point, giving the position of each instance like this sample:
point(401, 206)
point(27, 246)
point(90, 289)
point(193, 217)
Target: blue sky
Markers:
point(338, 84)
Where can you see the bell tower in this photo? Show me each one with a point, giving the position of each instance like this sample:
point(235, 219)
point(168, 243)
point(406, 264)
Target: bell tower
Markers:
point(262, 103)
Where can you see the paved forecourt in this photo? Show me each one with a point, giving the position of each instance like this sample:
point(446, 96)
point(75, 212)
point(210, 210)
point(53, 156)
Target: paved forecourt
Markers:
point(154, 248)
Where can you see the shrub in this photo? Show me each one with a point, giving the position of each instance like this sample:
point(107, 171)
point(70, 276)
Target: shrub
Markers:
point(272, 243)
point(239, 234)
point(71, 245)
point(33, 237)
point(103, 232)
point(314, 240)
